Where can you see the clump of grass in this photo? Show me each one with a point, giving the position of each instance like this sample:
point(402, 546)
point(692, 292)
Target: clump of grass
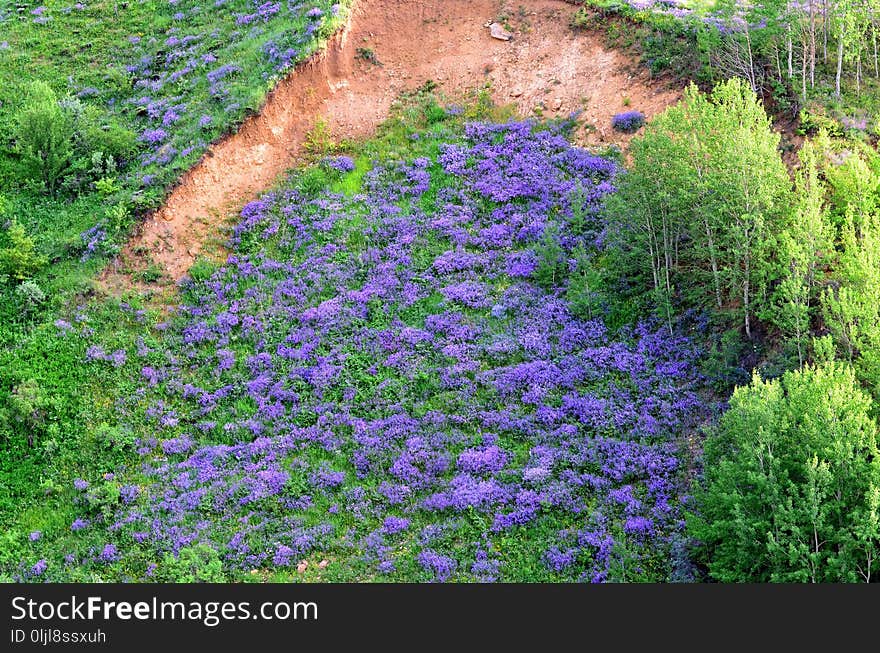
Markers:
point(151, 274)
point(319, 139)
point(368, 55)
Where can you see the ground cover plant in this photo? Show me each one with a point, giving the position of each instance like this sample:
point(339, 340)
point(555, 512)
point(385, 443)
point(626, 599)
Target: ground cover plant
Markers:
point(387, 375)
point(90, 138)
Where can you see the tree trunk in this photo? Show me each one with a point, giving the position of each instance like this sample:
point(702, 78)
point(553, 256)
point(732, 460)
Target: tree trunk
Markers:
point(778, 64)
point(746, 297)
point(812, 45)
point(859, 74)
point(804, 73)
point(668, 254)
point(825, 32)
point(874, 39)
point(839, 66)
point(716, 278)
point(752, 80)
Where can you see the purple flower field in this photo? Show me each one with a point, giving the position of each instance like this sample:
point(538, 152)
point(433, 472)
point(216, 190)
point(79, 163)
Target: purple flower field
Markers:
point(377, 379)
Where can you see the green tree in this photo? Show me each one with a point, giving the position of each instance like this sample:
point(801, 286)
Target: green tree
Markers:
point(706, 193)
point(43, 136)
point(803, 248)
point(26, 409)
point(791, 482)
point(854, 182)
point(851, 305)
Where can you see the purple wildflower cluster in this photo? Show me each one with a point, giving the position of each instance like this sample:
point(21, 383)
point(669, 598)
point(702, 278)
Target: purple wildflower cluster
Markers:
point(628, 121)
point(94, 240)
point(186, 75)
point(339, 163)
point(372, 360)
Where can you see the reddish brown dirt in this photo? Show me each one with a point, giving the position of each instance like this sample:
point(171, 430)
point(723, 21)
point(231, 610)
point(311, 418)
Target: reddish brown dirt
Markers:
point(546, 68)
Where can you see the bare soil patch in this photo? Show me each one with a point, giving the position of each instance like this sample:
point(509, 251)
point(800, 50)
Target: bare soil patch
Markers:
point(390, 46)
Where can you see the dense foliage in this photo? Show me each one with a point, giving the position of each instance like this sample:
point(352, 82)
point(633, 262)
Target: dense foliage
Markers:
point(379, 378)
point(707, 219)
point(706, 194)
point(793, 482)
point(465, 350)
point(103, 105)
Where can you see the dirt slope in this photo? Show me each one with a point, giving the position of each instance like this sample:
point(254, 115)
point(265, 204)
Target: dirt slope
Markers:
point(545, 65)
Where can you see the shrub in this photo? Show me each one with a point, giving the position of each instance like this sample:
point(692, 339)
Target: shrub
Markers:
point(202, 269)
point(20, 259)
point(25, 409)
point(792, 480)
point(814, 120)
point(628, 121)
point(114, 438)
point(30, 296)
point(43, 136)
point(552, 266)
point(96, 131)
point(583, 292)
point(199, 563)
point(319, 139)
point(107, 186)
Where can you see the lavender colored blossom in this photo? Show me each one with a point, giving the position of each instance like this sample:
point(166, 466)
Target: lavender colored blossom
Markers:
point(340, 163)
point(79, 524)
point(109, 553)
point(393, 525)
point(442, 567)
point(628, 121)
point(153, 136)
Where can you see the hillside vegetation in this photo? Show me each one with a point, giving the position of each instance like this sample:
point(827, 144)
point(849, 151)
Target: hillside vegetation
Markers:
point(465, 349)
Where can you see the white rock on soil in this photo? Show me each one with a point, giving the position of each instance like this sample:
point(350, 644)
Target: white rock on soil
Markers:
point(496, 31)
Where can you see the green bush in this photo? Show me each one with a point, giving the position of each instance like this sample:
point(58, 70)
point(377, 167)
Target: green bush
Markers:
point(30, 296)
point(114, 438)
point(792, 482)
point(20, 259)
point(552, 266)
point(584, 285)
point(814, 120)
point(194, 564)
point(202, 269)
point(25, 409)
point(43, 134)
point(99, 132)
